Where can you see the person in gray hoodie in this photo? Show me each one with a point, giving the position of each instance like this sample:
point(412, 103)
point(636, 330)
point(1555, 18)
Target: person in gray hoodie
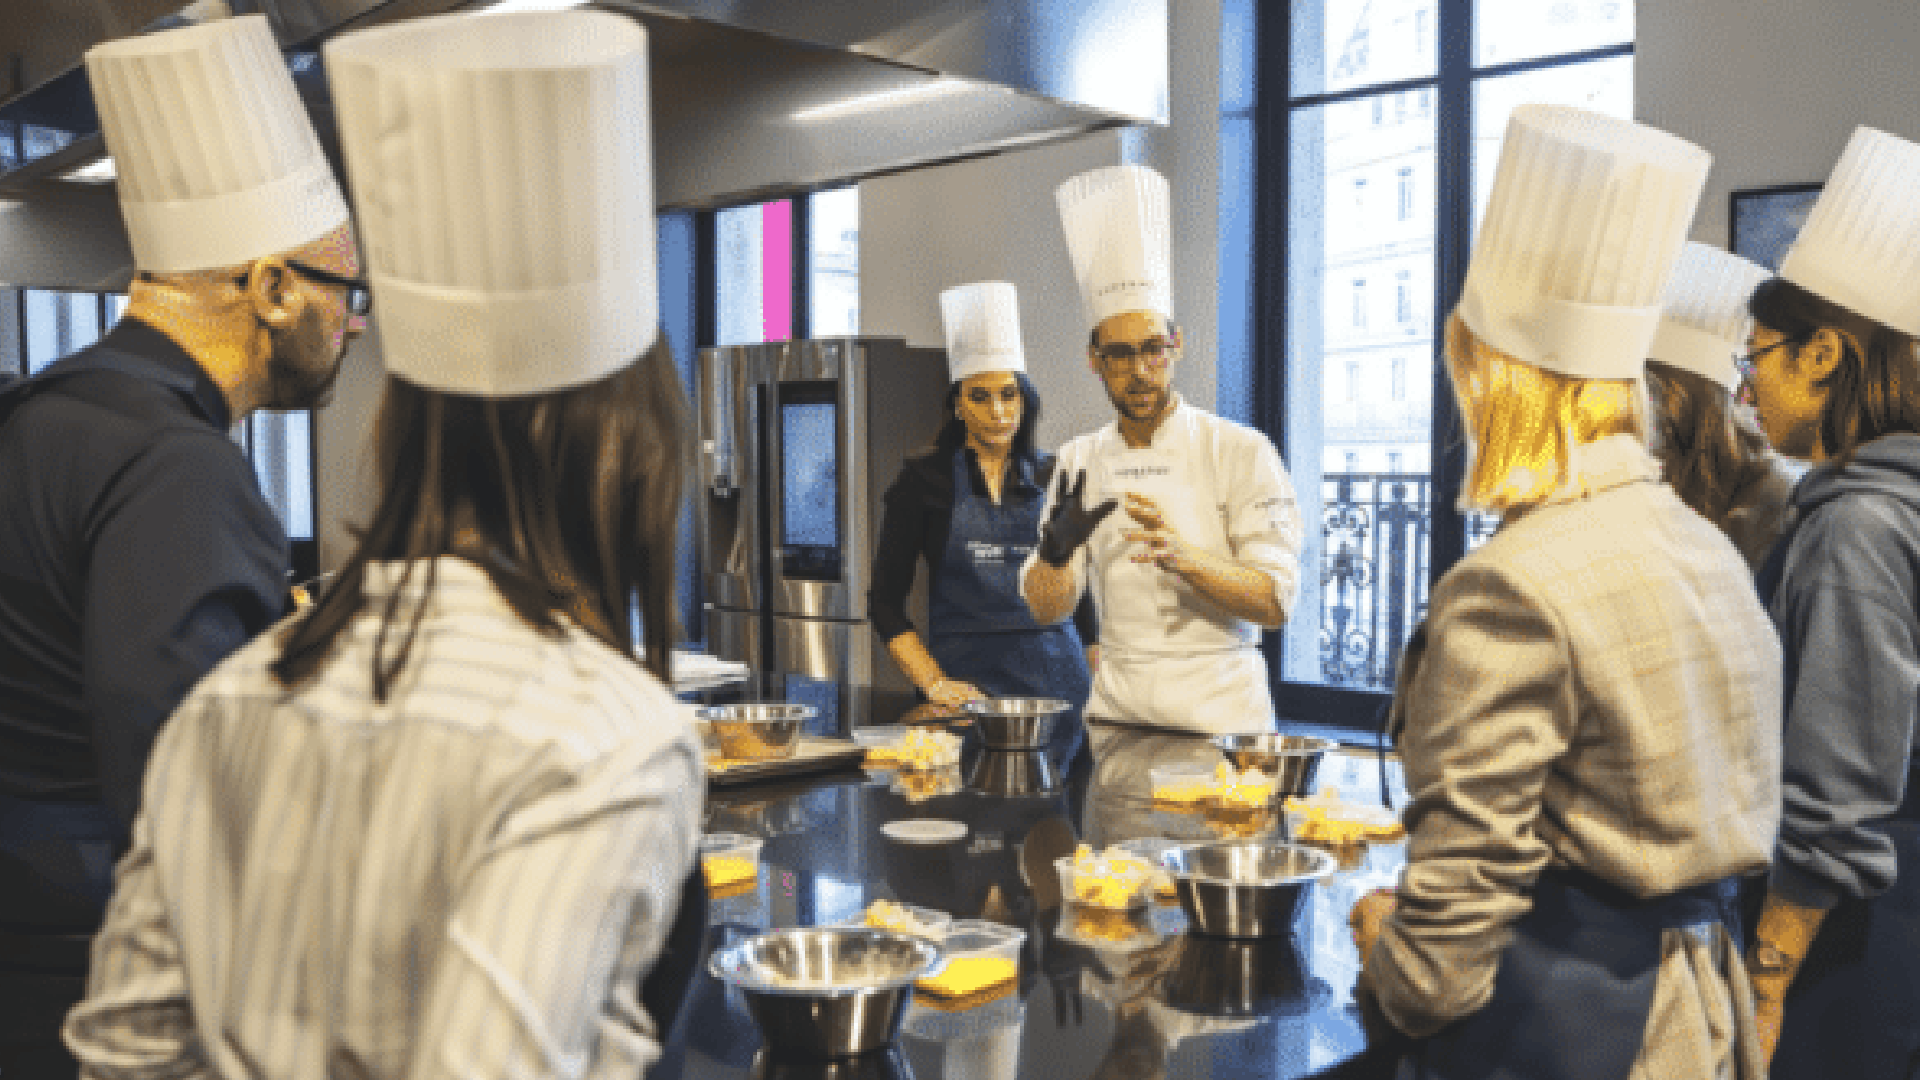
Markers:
point(1834, 963)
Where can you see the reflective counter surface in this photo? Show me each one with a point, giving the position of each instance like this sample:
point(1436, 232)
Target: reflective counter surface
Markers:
point(1160, 1003)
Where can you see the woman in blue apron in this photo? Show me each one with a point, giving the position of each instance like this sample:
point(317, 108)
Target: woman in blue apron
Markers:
point(970, 505)
point(1586, 716)
point(1836, 956)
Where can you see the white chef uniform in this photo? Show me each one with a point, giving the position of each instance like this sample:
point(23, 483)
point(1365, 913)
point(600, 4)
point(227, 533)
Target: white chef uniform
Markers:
point(1169, 657)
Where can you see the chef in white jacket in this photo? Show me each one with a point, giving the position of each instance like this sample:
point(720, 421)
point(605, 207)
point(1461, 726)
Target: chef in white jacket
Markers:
point(1184, 524)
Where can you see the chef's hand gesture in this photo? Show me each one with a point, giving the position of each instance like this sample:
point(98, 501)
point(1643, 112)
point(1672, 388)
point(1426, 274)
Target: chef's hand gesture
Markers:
point(1164, 548)
point(1070, 523)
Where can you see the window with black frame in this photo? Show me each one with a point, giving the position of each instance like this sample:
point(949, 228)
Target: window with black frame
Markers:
point(1384, 127)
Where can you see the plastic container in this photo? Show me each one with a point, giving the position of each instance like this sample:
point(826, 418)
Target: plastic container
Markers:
point(879, 735)
point(1130, 895)
point(933, 924)
point(1183, 786)
point(979, 939)
point(731, 863)
point(1151, 848)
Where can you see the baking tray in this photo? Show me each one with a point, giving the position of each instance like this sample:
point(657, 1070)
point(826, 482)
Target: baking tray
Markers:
point(814, 753)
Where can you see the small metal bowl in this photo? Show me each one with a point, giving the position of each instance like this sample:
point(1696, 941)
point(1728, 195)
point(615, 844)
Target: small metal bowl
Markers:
point(827, 992)
point(757, 732)
point(1243, 890)
point(1292, 759)
point(1016, 723)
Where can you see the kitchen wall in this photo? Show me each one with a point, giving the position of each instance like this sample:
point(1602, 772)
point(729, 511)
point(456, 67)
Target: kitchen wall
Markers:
point(1773, 88)
point(995, 219)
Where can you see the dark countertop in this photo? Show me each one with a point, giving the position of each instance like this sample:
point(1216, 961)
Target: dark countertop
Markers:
point(1178, 1004)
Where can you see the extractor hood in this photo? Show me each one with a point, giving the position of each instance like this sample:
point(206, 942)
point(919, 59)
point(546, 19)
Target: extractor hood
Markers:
point(751, 98)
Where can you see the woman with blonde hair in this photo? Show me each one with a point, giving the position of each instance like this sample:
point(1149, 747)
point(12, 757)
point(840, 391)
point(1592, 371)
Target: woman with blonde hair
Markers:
point(1586, 715)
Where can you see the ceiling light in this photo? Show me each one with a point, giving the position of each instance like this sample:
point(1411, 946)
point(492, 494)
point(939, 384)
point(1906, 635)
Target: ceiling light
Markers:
point(98, 172)
point(885, 99)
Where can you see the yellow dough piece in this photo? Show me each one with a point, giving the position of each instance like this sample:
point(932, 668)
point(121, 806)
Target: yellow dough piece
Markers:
point(729, 875)
point(968, 982)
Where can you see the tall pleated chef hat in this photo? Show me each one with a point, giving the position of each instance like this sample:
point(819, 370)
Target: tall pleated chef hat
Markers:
point(982, 321)
point(217, 162)
point(502, 174)
point(1117, 224)
point(1860, 247)
point(1705, 321)
point(1586, 215)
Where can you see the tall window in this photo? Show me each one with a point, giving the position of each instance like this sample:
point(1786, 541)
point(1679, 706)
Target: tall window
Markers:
point(785, 269)
point(1454, 70)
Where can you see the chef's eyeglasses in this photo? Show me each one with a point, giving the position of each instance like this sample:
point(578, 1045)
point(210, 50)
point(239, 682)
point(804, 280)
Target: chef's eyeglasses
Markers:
point(359, 296)
point(1744, 365)
point(1121, 356)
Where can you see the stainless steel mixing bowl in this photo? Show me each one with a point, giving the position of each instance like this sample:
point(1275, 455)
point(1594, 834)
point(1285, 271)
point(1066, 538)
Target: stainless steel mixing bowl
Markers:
point(1294, 759)
point(827, 992)
point(1014, 773)
point(1016, 723)
point(1243, 890)
point(755, 732)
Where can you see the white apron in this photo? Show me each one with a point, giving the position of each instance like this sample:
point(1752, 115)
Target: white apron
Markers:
point(1168, 657)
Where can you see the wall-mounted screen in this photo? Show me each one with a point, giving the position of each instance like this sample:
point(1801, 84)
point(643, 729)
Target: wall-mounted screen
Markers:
point(809, 482)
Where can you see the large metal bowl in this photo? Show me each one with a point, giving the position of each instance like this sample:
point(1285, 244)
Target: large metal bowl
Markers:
point(1293, 759)
point(1243, 890)
point(1222, 977)
point(1014, 773)
point(757, 732)
point(827, 992)
point(1016, 723)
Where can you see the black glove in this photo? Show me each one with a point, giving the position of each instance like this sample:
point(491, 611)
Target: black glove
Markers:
point(1071, 522)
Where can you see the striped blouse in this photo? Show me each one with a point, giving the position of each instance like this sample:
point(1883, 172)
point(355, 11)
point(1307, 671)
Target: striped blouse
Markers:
point(468, 880)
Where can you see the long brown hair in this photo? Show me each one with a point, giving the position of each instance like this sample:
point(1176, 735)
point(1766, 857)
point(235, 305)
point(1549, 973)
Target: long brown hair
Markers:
point(567, 500)
point(1874, 389)
point(1707, 450)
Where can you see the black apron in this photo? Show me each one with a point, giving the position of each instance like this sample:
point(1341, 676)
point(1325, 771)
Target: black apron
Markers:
point(1853, 1010)
point(981, 630)
point(1573, 993)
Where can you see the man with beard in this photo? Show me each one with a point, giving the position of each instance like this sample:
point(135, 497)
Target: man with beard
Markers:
point(136, 550)
point(1206, 554)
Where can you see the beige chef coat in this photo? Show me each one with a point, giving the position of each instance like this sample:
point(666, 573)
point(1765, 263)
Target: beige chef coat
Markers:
point(1597, 686)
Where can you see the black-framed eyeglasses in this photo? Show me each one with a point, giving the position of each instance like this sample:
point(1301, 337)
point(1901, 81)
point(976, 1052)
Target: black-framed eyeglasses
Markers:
point(1744, 365)
point(1120, 355)
point(359, 295)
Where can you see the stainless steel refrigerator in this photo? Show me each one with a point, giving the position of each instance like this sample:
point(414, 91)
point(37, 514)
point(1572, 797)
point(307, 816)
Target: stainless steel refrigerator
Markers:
point(799, 441)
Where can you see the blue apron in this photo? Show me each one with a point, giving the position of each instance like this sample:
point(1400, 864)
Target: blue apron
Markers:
point(982, 632)
point(1854, 1008)
point(1573, 993)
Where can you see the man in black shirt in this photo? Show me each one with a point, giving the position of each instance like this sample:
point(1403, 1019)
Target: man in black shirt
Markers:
point(136, 550)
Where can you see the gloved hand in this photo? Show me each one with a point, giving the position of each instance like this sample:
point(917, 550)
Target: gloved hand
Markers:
point(1070, 523)
point(1781, 940)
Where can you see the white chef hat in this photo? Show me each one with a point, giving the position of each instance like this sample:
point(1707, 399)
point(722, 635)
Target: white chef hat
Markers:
point(502, 172)
point(216, 160)
point(1705, 321)
point(1117, 224)
point(982, 321)
point(1860, 247)
point(1586, 214)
